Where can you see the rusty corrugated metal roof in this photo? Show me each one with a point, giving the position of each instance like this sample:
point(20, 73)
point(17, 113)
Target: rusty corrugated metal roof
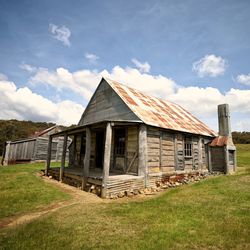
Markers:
point(219, 141)
point(158, 112)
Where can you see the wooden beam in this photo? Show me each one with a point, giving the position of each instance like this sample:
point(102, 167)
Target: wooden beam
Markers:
point(235, 160)
point(160, 149)
point(175, 152)
point(226, 154)
point(48, 155)
point(200, 152)
point(143, 153)
point(86, 157)
point(106, 164)
point(210, 167)
point(63, 156)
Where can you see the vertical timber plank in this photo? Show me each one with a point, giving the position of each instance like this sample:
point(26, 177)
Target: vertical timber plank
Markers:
point(63, 156)
point(200, 152)
point(175, 152)
point(226, 160)
point(107, 154)
point(86, 157)
point(210, 168)
point(48, 155)
point(6, 154)
point(143, 163)
point(160, 148)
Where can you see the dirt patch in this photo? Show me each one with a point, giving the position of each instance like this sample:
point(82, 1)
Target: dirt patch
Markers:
point(78, 197)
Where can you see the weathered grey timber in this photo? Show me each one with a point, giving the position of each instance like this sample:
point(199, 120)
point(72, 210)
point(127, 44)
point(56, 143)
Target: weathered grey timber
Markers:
point(63, 156)
point(118, 146)
point(87, 157)
point(34, 149)
point(107, 153)
point(105, 104)
point(48, 156)
point(223, 151)
point(224, 120)
point(142, 164)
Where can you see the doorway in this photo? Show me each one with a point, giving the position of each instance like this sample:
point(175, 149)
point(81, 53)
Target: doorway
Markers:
point(99, 149)
point(120, 150)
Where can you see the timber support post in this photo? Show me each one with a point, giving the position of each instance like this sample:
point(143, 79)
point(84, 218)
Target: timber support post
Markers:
point(6, 154)
point(143, 164)
point(63, 156)
point(106, 162)
point(200, 152)
point(86, 158)
point(48, 156)
point(226, 160)
point(209, 159)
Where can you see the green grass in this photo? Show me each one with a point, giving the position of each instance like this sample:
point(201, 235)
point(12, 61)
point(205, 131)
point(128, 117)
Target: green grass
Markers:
point(21, 190)
point(212, 214)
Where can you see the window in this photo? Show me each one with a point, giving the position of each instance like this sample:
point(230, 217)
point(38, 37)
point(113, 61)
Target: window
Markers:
point(188, 149)
point(120, 141)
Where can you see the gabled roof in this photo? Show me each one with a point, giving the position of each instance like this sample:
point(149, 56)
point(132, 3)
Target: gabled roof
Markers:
point(158, 112)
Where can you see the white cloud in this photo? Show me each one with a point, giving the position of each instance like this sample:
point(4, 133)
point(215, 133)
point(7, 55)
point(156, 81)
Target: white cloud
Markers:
point(3, 77)
point(81, 82)
point(210, 65)
point(23, 104)
point(202, 102)
point(84, 82)
point(242, 126)
point(243, 79)
point(28, 67)
point(60, 33)
point(143, 67)
point(92, 58)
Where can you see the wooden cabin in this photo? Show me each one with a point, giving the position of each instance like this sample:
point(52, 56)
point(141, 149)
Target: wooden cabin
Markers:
point(128, 140)
point(34, 149)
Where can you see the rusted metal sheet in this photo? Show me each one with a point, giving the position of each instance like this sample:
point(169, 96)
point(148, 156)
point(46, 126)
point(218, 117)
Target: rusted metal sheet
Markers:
point(158, 112)
point(219, 141)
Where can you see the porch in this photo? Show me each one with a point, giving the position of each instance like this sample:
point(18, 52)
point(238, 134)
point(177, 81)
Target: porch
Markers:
point(102, 155)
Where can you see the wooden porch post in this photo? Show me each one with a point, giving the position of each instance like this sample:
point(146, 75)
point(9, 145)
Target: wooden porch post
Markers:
point(106, 163)
point(63, 156)
point(48, 155)
point(86, 157)
point(200, 153)
point(143, 164)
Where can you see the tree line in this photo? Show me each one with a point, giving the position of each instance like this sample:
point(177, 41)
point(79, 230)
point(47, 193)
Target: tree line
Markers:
point(241, 137)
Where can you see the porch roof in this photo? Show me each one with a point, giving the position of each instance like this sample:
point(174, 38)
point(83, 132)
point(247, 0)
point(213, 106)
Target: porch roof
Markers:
point(80, 128)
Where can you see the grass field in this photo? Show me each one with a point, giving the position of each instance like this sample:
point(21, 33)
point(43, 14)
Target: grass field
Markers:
point(21, 190)
point(212, 214)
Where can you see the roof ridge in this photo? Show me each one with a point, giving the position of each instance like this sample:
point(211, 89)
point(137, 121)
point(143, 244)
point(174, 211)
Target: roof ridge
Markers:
point(143, 92)
point(157, 111)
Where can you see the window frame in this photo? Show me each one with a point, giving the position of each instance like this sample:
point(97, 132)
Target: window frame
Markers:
point(188, 147)
point(120, 142)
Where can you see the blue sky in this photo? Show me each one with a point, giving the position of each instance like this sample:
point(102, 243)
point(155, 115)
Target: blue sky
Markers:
point(195, 53)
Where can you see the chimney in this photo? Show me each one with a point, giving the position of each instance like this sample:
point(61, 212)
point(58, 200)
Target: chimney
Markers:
point(224, 120)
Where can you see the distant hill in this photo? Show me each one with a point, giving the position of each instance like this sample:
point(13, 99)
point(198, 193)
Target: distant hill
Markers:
point(14, 129)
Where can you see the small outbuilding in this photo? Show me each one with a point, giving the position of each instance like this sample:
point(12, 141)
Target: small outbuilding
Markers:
point(127, 140)
point(34, 149)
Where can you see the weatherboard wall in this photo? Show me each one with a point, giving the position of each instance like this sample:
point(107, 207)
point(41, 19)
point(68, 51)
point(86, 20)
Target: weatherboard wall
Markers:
point(106, 105)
